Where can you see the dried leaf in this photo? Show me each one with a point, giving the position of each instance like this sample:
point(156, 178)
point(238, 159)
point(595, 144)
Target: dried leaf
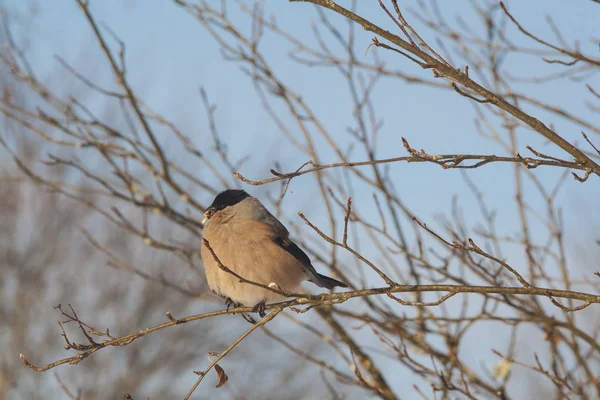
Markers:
point(222, 376)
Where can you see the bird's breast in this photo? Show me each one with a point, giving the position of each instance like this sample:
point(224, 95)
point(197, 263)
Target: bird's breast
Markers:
point(248, 249)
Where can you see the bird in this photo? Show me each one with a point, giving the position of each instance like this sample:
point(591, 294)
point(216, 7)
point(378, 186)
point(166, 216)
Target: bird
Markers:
point(247, 239)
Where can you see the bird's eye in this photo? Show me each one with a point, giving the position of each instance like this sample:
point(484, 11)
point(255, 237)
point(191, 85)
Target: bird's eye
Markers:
point(207, 214)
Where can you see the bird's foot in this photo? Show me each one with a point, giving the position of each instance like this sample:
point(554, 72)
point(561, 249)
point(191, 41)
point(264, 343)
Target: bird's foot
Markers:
point(230, 303)
point(260, 309)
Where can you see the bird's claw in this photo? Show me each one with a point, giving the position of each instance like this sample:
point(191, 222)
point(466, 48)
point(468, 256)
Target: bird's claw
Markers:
point(260, 309)
point(249, 318)
point(230, 303)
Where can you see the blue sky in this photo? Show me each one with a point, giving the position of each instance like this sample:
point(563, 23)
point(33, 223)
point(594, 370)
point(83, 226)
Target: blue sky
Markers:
point(170, 56)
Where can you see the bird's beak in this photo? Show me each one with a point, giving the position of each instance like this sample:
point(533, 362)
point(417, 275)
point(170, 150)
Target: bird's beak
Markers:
point(204, 220)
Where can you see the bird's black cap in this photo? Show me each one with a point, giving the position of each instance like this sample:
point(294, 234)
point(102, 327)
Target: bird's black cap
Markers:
point(226, 198)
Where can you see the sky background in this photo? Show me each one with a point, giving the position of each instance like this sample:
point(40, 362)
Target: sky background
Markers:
point(170, 56)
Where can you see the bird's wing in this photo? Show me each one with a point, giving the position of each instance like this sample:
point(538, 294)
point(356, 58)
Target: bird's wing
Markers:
point(286, 244)
point(277, 227)
point(280, 237)
point(275, 231)
point(291, 247)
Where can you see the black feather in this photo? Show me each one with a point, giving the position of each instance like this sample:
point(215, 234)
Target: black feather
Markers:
point(330, 283)
point(226, 198)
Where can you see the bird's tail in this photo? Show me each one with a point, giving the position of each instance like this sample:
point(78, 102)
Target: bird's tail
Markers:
point(327, 282)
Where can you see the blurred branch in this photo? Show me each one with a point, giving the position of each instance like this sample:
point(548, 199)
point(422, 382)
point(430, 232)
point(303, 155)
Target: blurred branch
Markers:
point(575, 55)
